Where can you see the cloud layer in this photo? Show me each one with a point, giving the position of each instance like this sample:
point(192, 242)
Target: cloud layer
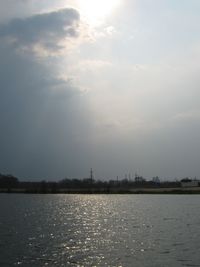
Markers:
point(46, 30)
point(140, 109)
point(41, 114)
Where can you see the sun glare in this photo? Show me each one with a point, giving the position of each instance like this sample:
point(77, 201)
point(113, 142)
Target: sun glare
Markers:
point(95, 11)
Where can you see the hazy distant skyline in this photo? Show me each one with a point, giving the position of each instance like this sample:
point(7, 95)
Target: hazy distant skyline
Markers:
point(113, 85)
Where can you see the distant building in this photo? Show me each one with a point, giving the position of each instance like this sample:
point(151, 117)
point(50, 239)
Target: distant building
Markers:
point(156, 180)
point(186, 182)
point(139, 179)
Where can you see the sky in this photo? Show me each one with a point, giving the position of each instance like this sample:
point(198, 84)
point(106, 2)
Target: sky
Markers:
point(109, 85)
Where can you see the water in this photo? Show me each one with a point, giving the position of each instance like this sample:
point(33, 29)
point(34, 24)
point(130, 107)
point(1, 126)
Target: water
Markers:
point(99, 230)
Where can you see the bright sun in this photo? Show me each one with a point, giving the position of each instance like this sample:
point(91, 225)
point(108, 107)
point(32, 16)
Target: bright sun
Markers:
point(95, 11)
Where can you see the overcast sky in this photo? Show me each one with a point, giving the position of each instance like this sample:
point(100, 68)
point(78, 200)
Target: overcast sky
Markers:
point(113, 85)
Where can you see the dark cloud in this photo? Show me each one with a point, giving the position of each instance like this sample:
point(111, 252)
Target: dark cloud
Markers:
point(46, 29)
point(45, 121)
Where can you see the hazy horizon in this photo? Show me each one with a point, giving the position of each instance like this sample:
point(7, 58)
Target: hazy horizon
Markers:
point(112, 85)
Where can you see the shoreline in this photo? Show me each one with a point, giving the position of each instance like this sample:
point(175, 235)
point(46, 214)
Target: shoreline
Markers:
point(188, 191)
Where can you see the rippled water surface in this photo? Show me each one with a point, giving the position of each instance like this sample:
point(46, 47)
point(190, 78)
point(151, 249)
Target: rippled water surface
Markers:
point(99, 230)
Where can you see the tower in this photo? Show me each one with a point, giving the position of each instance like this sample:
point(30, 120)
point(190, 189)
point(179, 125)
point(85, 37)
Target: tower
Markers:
point(91, 174)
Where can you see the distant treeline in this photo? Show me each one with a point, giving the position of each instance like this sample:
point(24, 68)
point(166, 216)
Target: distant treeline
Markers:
point(9, 183)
